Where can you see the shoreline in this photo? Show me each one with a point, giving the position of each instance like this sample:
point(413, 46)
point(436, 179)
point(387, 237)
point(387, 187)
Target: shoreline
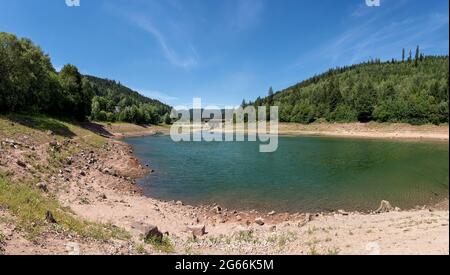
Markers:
point(372, 130)
point(106, 192)
point(413, 135)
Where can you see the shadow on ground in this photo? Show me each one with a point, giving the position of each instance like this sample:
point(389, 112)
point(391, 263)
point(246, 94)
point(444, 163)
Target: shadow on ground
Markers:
point(43, 123)
point(97, 129)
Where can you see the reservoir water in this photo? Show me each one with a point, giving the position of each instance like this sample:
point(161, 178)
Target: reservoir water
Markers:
point(305, 174)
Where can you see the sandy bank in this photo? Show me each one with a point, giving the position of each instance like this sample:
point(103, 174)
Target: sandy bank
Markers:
point(373, 130)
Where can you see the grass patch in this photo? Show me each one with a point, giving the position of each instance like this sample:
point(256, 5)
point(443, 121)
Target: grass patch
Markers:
point(313, 251)
point(163, 245)
point(140, 250)
point(245, 236)
point(283, 239)
point(30, 208)
point(2, 238)
point(333, 251)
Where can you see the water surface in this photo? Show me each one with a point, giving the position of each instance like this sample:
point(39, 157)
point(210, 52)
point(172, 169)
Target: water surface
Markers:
point(305, 174)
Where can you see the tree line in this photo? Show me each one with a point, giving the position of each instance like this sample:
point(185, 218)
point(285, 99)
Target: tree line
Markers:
point(413, 90)
point(29, 83)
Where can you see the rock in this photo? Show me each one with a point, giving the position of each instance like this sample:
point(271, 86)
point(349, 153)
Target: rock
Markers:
point(49, 217)
point(309, 217)
point(106, 171)
point(197, 230)
point(385, 207)
point(82, 173)
point(273, 228)
point(343, 213)
point(259, 221)
point(217, 209)
point(272, 213)
point(42, 186)
point(302, 223)
point(238, 218)
point(179, 203)
point(152, 233)
point(103, 197)
point(50, 133)
point(21, 163)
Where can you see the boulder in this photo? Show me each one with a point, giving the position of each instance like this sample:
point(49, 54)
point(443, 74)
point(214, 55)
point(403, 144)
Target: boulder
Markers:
point(49, 217)
point(385, 207)
point(197, 230)
point(217, 209)
point(152, 233)
point(21, 163)
point(259, 221)
point(42, 186)
point(272, 213)
point(343, 213)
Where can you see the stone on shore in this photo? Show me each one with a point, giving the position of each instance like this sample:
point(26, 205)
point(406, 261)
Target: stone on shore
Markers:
point(259, 221)
point(49, 217)
point(197, 230)
point(42, 186)
point(217, 209)
point(385, 207)
point(152, 233)
point(21, 163)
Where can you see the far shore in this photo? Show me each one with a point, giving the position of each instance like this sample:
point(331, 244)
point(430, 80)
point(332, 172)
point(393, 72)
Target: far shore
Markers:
point(372, 130)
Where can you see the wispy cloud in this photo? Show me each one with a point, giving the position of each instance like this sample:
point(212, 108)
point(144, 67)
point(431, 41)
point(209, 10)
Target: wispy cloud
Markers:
point(377, 36)
point(162, 31)
point(173, 57)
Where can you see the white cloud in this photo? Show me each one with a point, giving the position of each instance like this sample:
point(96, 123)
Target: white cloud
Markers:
point(174, 58)
point(373, 37)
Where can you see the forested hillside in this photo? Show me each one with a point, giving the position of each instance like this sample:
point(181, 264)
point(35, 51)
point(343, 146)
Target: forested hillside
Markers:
point(414, 90)
point(115, 102)
point(30, 84)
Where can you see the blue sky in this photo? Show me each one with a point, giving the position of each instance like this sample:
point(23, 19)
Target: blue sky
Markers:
point(223, 50)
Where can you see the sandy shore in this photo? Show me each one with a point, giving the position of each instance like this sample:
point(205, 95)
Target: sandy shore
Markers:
point(373, 130)
point(369, 130)
point(99, 185)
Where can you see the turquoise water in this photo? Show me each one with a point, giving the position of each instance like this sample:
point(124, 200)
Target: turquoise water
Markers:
point(305, 174)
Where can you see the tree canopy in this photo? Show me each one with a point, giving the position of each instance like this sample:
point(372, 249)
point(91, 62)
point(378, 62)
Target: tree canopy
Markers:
point(29, 83)
point(394, 91)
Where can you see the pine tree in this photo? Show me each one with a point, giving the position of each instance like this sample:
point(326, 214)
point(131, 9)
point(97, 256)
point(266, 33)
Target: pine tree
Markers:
point(416, 58)
point(270, 98)
point(403, 55)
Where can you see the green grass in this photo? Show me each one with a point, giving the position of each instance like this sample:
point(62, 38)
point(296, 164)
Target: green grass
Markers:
point(2, 238)
point(30, 207)
point(313, 251)
point(245, 236)
point(164, 245)
point(333, 251)
point(140, 250)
